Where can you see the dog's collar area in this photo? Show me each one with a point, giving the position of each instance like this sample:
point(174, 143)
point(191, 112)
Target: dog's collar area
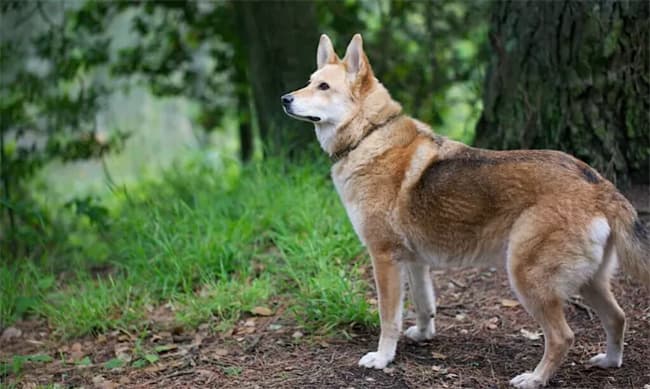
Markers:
point(339, 155)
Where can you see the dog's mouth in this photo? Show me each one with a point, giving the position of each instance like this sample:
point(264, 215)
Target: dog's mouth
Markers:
point(312, 119)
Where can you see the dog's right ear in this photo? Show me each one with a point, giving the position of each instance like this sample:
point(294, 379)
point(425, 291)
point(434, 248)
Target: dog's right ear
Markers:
point(325, 53)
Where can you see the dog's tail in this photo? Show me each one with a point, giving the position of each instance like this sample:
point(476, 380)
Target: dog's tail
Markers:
point(631, 239)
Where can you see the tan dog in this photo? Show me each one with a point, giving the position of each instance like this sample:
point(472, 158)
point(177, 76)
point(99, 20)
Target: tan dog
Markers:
point(418, 200)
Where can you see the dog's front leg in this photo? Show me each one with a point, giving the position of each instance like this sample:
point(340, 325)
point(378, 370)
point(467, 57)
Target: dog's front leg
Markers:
point(388, 278)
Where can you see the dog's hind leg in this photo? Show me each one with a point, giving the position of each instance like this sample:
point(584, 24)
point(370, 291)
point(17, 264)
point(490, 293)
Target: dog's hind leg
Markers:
point(598, 295)
point(600, 298)
point(558, 338)
point(548, 261)
point(423, 296)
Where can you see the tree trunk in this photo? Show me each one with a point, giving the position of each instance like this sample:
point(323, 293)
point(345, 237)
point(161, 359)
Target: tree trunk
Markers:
point(281, 39)
point(572, 76)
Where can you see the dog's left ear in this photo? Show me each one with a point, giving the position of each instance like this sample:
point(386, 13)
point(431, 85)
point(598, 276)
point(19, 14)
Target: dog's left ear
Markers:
point(355, 58)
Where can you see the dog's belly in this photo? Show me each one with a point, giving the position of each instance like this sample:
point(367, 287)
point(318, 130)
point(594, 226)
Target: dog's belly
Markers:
point(467, 253)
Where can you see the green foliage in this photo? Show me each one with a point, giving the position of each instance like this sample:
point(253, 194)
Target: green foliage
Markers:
point(15, 365)
point(61, 62)
point(215, 241)
point(114, 363)
point(50, 91)
point(430, 54)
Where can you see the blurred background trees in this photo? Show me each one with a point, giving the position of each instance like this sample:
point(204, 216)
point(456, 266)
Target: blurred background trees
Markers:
point(200, 81)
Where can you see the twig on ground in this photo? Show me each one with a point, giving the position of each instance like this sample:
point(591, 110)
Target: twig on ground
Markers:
point(451, 306)
point(580, 305)
point(459, 284)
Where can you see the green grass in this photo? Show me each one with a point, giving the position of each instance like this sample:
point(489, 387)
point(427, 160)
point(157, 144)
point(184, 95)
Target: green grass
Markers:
point(214, 241)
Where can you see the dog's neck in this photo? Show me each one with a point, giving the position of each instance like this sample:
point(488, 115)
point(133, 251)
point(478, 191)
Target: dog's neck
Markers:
point(376, 110)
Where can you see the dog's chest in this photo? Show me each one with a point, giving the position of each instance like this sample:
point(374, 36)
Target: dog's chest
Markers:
point(352, 204)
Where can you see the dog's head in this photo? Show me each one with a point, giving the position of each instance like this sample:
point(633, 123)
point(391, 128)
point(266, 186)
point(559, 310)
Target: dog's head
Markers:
point(336, 93)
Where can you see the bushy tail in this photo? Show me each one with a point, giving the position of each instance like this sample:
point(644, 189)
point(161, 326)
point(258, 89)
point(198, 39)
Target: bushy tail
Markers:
point(632, 241)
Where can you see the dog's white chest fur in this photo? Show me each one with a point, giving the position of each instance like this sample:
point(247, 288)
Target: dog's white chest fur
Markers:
point(352, 206)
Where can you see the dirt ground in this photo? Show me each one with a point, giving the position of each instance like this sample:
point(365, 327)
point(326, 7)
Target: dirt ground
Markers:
point(484, 338)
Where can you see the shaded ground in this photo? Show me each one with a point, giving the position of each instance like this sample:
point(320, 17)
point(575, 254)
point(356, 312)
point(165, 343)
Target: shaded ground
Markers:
point(484, 339)
point(480, 344)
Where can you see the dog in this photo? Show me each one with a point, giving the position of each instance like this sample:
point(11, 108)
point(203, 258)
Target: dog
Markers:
point(418, 201)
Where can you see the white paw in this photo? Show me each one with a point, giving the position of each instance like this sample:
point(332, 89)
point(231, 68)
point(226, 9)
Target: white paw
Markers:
point(414, 333)
point(601, 360)
point(527, 381)
point(374, 360)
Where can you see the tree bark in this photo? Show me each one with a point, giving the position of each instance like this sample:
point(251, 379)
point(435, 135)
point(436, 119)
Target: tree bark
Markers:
point(572, 76)
point(281, 39)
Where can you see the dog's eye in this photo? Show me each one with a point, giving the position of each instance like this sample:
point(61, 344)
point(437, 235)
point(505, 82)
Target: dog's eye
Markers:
point(323, 86)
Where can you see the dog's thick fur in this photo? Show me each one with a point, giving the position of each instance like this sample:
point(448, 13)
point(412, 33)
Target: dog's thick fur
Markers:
point(418, 200)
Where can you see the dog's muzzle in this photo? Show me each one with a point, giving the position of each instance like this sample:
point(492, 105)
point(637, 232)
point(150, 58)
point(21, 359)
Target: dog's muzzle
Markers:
point(286, 104)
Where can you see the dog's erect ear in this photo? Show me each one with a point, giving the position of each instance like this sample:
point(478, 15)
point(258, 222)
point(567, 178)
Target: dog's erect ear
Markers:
point(355, 59)
point(325, 53)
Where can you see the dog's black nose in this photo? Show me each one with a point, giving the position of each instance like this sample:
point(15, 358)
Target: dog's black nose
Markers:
point(287, 99)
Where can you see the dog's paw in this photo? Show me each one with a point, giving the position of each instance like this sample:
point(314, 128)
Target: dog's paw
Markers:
point(527, 381)
point(374, 360)
point(605, 362)
point(415, 334)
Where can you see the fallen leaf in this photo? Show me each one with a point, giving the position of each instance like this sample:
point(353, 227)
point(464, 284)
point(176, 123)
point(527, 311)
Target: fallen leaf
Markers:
point(165, 347)
point(389, 370)
point(221, 352)
point(436, 355)
point(10, 332)
point(113, 364)
point(122, 352)
point(245, 330)
point(75, 352)
point(492, 323)
point(250, 322)
point(262, 311)
point(297, 335)
point(439, 369)
point(151, 358)
point(39, 358)
point(509, 303)
point(530, 335)
point(85, 361)
point(155, 368)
